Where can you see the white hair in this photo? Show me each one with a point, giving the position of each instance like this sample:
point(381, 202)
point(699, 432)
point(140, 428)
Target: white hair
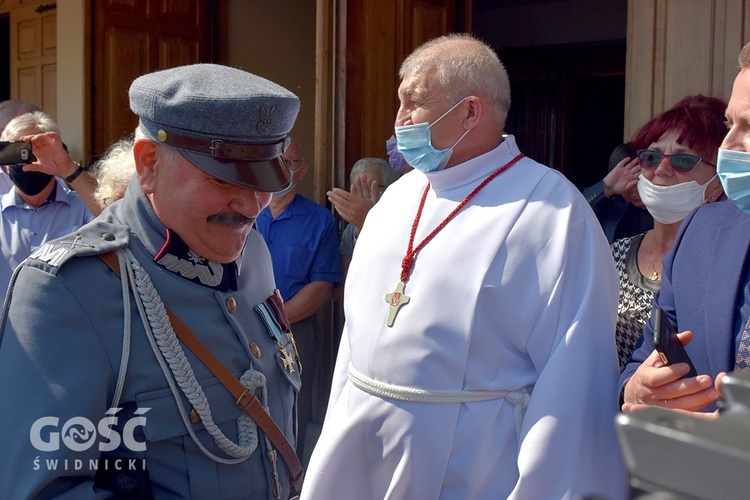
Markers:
point(114, 171)
point(36, 120)
point(463, 66)
point(386, 172)
point(11, 108)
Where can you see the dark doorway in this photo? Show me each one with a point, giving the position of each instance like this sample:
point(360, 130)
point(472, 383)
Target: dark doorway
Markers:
point(568, 106)
point(5, 57)
point(597, 126)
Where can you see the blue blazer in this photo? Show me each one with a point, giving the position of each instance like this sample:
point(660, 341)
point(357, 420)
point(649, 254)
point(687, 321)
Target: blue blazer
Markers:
point(702, 288)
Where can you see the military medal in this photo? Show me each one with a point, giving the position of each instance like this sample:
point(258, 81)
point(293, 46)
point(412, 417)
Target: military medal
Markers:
point(277, 304)
point(397, 299)
point(294, 348)
point(286, 358)
point(268, 315)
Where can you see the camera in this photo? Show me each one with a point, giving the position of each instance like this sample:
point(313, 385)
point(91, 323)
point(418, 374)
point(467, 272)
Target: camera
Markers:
point(15, 153)
point(672, 455)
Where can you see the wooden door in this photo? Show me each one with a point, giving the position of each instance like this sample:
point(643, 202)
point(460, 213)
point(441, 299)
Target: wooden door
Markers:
point(678, 48)
point(133, 37)
point(33, 55)
point(379, 35)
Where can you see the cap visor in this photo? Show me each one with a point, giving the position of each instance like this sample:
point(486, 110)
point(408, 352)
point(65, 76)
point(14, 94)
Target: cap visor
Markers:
point(267, 176)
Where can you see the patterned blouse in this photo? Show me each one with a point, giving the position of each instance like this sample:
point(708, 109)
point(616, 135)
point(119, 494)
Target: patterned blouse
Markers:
point(636, 297)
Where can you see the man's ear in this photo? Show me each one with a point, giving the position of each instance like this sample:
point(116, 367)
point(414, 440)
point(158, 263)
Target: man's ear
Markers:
point(474, 113)
point(144, 151)
point(301, 172)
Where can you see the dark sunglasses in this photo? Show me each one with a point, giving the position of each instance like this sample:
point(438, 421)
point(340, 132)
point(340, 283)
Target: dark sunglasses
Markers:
point(683, 162)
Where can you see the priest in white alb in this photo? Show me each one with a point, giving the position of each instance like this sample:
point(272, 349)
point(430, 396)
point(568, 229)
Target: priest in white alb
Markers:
point(478, 357)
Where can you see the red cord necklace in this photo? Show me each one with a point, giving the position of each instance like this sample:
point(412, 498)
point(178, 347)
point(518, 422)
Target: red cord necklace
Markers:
point(398, 298)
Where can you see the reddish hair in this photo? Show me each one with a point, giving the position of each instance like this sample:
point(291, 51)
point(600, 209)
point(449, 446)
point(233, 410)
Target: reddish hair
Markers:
point(699, 119)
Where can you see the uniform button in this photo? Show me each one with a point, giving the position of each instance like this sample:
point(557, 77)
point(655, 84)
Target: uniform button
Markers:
point(231, 304)
point(194, 417)
point(108, 237)
point(255, 349)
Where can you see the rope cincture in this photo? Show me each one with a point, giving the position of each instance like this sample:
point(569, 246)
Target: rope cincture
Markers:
point(519, 398)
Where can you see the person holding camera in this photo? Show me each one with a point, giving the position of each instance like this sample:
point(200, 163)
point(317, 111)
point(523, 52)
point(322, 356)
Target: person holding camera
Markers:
point(52, 156)
point(37, 208)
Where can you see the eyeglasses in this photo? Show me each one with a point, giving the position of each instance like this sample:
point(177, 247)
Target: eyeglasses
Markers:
point(290, 163)
point(682, 162)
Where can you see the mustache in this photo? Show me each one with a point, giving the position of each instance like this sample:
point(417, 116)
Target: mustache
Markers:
point(231, 219)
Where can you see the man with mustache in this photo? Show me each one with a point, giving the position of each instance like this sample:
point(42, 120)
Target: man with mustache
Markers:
point(102, 398)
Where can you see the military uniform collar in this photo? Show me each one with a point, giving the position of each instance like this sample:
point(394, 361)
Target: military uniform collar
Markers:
point(167, 247)
point(175, 256)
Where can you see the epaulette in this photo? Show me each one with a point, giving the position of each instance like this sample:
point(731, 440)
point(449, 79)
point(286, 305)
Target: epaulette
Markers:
point(95, 238)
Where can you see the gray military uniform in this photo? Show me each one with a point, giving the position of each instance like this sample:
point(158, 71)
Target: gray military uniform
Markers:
point(60, 358)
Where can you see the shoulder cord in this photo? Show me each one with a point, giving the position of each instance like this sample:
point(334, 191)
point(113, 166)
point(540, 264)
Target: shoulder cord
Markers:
point(177, 361)
point(177, 368)
point(125, 340)
point(6, 304)
point(125, 335)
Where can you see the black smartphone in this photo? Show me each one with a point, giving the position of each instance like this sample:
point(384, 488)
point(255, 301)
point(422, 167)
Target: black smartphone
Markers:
point(15, 153)
point(667, 344)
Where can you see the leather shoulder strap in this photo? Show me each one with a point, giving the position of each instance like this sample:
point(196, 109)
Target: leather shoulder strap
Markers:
point(245, 399)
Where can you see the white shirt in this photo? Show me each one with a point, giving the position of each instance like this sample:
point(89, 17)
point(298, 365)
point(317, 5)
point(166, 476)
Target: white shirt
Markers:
point(24, 228)
point(518, 289)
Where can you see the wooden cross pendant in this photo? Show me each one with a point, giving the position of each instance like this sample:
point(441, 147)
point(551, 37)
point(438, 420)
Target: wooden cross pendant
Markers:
point(396, 299)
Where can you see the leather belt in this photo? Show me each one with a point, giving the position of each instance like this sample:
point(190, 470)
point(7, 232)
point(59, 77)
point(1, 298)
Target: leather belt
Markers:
point(225, 150)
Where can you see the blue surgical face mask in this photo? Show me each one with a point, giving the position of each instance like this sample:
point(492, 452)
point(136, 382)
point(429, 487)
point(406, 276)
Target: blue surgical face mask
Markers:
point(415, 144)
point(733, 168)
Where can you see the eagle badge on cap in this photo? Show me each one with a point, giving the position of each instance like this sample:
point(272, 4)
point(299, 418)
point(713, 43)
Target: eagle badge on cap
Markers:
point(264, 125)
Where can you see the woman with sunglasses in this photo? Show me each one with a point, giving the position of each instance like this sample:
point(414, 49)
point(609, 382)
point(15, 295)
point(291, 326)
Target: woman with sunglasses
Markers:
point(677, 175)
